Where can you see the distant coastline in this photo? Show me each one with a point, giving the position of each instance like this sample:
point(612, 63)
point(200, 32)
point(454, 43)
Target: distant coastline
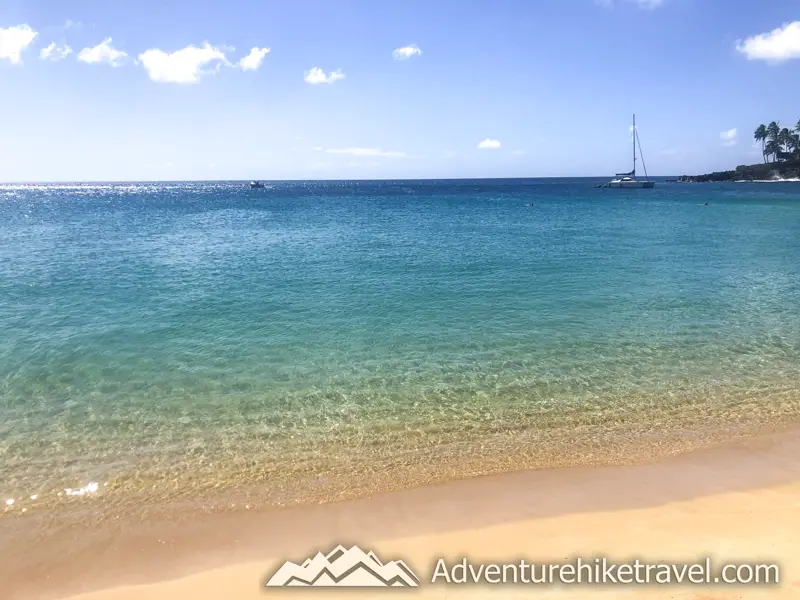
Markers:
point(780, 148)
point(784, 171)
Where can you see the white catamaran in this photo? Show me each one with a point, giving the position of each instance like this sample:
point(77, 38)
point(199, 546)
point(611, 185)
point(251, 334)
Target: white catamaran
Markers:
point(628, 180)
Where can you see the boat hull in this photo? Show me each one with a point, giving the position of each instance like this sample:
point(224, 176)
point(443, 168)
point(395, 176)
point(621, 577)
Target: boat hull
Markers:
point(631, 184)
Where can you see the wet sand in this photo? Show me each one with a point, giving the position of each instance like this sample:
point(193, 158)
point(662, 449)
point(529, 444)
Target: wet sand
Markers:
point(738, 503)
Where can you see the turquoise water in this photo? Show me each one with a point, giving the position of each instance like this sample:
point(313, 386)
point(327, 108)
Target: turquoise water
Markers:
point(201, 334)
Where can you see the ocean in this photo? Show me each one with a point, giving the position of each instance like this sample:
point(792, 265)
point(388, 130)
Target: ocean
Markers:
point(173, 342)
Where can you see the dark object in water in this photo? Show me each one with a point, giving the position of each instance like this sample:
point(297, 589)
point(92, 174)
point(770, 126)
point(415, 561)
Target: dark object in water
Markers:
point(256, 184)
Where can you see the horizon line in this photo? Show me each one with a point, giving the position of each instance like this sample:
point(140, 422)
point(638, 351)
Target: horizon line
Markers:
point(108, 181)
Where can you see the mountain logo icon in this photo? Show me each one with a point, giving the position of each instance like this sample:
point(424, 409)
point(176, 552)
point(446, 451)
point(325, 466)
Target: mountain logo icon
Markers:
point(343, 567)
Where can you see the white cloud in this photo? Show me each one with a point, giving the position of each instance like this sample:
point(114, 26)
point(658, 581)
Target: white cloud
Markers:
point(518, 152)
point(13, 40)
point(729, 137)
point(317, 75)
point(70, 24)
point(778, 45)
point(489, 144)
point(252, 61)
point(104, 52)
point(318, 148)
point(406, 52)
point(53, 52)
point(367, 152)
point(182, 66)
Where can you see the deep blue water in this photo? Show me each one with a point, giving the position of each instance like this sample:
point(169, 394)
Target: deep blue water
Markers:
point(147, 326)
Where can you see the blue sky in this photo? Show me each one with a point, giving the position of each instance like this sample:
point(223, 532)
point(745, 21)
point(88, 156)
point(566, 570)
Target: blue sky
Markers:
point(553, 83)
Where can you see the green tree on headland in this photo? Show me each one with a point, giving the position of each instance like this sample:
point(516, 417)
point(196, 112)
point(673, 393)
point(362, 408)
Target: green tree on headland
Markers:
point(793, 145)
point(779, 144)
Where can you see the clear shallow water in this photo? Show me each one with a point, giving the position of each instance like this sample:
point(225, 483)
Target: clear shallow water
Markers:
point(190, 335)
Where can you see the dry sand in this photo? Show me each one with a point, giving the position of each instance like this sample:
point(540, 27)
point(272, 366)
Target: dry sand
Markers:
point(738, 503)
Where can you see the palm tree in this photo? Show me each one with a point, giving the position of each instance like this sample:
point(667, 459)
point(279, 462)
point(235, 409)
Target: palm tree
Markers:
point(773, 131)
point(794, 144)
point(778, 143)
point(773, 147)
point(784, 139)
point(761, 136)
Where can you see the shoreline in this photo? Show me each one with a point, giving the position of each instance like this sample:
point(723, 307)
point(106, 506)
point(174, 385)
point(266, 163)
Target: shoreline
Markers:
point(787, 180)
point(108, 563)
point(758, 173)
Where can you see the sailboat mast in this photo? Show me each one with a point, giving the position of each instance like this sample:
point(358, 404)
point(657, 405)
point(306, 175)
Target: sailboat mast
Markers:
point(634, 145)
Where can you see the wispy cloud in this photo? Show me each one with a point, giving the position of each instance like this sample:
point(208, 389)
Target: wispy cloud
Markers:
point(316, 75)
point(252, 61)
point(755, 149)
point(14, 40)
point(489, 144)
point(70, 24)
point(779, 45)
point(367, 152)
point(182, 66)
point(104, 52)
point(406, 52)
point(54, 53)
point(644, 4)
point(729, 137)
point(518, 152)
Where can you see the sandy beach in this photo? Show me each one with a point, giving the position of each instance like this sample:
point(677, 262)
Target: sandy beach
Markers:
point(736, 504)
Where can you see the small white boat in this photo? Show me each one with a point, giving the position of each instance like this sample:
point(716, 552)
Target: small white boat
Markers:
point(256, 184)
point(628, 180)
